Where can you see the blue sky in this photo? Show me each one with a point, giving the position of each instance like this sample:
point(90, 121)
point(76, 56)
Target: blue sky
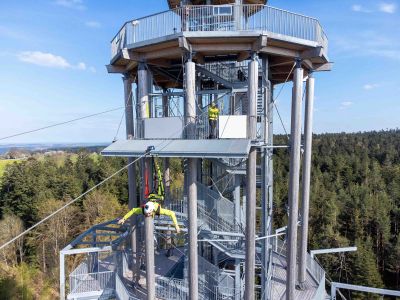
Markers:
point(53, 55)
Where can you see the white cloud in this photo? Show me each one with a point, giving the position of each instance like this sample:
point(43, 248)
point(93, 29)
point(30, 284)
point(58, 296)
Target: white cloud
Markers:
point(359, 8)
point(370, 86)
point(93, 24)
point(345, 105)
point(48, 60)
point(44, 59)
point(389, 8)
point(81, 66)
point(75, 4)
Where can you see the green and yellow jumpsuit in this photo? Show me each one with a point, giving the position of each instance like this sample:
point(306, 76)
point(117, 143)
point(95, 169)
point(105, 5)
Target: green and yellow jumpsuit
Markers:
point(157, 211)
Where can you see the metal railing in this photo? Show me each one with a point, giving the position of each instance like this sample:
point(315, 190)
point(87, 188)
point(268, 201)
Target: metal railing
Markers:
point(223, 207)
point(121, 291)
point(92, 282)
point(219, 18)
point(206, 220)
point(82, 268)
point(315, 270)
point(231, 71)
point(171, 288)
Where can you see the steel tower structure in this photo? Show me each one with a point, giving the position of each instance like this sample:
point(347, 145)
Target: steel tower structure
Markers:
point(174, 64)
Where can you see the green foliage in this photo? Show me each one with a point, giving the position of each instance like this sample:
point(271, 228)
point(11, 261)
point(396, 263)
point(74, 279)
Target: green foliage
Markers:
point(5, 162)
point(355, 200)
point(24, 282)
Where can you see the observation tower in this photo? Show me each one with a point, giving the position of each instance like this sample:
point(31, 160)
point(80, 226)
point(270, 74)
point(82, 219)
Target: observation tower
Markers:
point(174, 65)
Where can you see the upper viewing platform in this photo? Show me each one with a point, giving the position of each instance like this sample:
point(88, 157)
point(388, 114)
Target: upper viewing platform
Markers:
point(210, 30)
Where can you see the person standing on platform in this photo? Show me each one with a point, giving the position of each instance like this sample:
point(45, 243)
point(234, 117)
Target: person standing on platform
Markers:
point(213, 114)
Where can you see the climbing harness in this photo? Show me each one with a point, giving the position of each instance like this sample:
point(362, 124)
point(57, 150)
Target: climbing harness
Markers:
point(158, 192)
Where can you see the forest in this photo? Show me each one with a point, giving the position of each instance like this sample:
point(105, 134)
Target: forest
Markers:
point(355, 201)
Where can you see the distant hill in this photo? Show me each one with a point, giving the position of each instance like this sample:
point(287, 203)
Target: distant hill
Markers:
point(73, 147)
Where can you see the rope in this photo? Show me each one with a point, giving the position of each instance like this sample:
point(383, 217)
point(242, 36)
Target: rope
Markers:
point(123, 113)
point(85, 193)
point(287, 78)
point(280, 119)
point(67, 204)
point(61, 123)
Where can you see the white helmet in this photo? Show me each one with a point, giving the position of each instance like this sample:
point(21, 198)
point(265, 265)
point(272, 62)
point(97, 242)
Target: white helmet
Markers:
point(149, 207)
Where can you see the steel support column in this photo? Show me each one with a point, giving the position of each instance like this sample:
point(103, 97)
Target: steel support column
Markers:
point(62, 276)
point(266, 200)
point(251, 181)
point(237, 222)
point(190, 119)
point(167, 180)
point(150, 274)
point(142, 106)
point(308, 123)
point(143, 96)
point(294, 176)
point(130, 133)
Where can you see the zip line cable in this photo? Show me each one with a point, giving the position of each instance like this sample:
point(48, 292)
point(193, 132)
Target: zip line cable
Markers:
point(86, 192)
point(61, 123)
point(123, 113)
point(67, 204)
point(286, 80)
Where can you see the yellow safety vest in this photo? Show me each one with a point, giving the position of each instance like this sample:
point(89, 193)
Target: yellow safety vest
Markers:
point(213, 113)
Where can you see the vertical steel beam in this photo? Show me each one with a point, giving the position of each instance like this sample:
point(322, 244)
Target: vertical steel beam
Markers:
point(165, 103)
point(167, 180)
point(238, 14)
point(236, 198)
point(251, 181)
point(270, 181)
point(150, 274)
point(143, 96)
point(308, 123)
point(130, 134)
point(238, 222)
point(62, 276)
point(143, 104)
point(294, 177)
point(190, 119)
point(266, 156)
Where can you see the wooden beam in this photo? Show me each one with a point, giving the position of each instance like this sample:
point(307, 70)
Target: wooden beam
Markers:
point(308, 64)
point(260, 43)
point(323, 67)
point(283, 63)
point(131, 65)
point(200, 58)
point(280, 51)
point(152, 55)
point(312, 53)
point(173, 51)
point(115, 69)
point(162, 62)
point(243, 56)
point(184, 44)
point(231, 47)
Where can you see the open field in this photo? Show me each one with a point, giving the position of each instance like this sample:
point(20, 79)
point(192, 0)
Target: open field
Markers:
point(5, 162)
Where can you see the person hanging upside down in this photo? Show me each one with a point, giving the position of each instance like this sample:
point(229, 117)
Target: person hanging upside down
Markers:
point(150, 209)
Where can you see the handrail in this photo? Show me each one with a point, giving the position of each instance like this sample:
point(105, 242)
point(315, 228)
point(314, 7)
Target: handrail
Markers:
point(203, 18)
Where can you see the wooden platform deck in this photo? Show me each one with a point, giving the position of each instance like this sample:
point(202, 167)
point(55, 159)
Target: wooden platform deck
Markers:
point(279, 282)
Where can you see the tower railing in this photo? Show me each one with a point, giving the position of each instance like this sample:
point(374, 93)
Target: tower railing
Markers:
point(211, 18)
point(89, 282)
